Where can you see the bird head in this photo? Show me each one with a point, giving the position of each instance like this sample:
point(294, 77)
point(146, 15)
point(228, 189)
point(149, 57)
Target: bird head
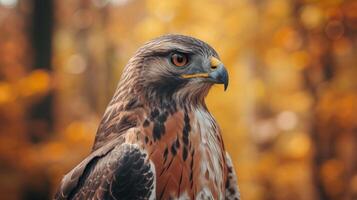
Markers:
point(177, 66)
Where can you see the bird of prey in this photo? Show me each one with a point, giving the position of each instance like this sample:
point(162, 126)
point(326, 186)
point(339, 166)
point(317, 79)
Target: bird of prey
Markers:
point(157, 139)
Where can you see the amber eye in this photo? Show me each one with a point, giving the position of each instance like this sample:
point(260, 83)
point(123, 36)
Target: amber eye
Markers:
point(179, 60)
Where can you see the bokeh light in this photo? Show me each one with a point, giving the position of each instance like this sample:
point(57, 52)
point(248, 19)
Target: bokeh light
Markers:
point(288, 118)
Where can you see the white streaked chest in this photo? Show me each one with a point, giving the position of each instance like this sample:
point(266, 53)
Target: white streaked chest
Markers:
point(211, 150)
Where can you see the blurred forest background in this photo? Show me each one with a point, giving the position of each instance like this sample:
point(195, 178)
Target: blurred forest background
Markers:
point(289, 117)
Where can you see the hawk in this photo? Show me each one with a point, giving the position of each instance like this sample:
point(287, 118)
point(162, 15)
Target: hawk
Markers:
point(157, 139)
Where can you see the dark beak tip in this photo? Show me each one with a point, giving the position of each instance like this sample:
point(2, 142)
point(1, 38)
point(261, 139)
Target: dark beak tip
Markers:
point(226, 81)
point(225, 86)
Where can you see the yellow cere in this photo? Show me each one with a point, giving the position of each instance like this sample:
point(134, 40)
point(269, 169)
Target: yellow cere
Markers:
point(215, 62)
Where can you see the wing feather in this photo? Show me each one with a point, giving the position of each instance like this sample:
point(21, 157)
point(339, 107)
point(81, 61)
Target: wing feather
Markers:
point(114, 171)
point(232, 190)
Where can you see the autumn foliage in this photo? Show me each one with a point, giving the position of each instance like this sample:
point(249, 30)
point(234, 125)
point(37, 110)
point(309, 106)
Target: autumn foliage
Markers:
point(289, 116)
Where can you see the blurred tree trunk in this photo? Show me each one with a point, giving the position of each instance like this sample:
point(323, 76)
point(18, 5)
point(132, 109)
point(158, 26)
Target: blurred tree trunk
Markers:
point(36, 184)
point(332, 130)
point(41, 114)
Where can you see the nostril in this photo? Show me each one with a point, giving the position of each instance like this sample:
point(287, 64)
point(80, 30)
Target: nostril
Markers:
point(213, 67)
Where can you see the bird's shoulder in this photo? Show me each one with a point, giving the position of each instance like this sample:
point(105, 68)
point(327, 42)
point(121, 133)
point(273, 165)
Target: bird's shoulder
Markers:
point(111, 171)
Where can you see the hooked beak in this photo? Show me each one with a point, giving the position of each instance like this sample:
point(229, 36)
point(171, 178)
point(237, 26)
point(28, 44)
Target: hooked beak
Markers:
point(217, 73)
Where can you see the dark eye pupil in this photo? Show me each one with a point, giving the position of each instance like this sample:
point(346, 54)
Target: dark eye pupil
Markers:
point(179, 58)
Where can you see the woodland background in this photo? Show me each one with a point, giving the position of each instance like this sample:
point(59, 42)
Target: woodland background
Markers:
point(289, 117)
